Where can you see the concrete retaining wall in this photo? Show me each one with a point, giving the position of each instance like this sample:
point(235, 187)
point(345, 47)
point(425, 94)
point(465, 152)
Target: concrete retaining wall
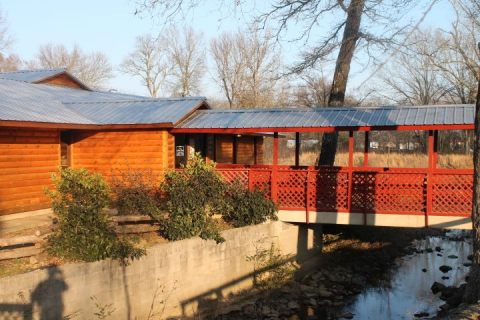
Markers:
point(173, 279)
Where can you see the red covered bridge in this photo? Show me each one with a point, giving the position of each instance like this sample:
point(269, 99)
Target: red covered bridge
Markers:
point(360, 195)
point(50, 119)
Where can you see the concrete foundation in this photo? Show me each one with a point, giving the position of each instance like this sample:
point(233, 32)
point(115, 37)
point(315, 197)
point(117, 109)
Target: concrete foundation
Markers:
point(175, 279)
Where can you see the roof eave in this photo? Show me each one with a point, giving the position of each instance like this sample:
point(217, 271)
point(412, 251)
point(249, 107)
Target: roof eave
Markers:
point(325, 129)
point(74, 126)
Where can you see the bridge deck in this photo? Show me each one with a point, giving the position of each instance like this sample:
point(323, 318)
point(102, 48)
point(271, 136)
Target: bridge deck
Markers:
point(400, 197)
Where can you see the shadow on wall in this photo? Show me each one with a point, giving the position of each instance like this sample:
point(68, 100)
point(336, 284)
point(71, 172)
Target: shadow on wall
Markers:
point(46, 300)
point(309, 245)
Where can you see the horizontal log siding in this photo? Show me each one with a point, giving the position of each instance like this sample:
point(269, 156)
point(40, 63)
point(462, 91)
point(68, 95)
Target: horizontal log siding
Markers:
point(245, 150)
point(108, 151)
point(62, 80)
point(28, 157)
point(224, 148)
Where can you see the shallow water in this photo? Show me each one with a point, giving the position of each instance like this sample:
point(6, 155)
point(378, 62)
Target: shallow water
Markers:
point(408, 292)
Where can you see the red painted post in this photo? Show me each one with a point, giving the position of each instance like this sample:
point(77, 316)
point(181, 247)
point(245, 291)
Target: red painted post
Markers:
point(307, 191)
point(350, 170)
point(274, 186)
point(366, 148)
point(432, 158)
point(297, 149)
point(250, 177)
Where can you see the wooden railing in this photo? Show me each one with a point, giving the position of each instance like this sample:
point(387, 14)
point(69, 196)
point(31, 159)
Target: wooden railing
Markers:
point(438, 192)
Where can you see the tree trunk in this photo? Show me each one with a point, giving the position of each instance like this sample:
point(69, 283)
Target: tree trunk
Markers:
point(340, 77)
point(472, 293)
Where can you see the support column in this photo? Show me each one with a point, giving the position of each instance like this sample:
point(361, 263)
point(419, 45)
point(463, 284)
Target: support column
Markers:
point(275, 149)
point(350, 170)
point(255, 153)
point(297, 149)
point(366, 148)
point(432, 164)
point(235, 149)
point(273, 180)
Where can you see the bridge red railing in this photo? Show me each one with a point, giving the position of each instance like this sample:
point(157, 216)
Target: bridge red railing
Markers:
point(441, 192)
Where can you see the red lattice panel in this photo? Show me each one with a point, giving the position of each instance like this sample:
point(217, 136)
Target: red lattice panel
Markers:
point(291, 189)
point(232, 175)
point(328, 190)
point(381, 192)
point(261, 181)
point(452, 194)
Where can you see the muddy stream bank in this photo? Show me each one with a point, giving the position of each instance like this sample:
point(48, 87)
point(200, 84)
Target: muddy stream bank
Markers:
point(369, 273)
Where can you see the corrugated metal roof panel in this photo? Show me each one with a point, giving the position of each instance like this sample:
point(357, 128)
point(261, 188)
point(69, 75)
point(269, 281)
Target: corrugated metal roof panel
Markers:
point(31, 76)
point(22, 101)
point(331, 117)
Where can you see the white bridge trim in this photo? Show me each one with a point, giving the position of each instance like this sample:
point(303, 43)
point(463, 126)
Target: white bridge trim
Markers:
point(384, 220)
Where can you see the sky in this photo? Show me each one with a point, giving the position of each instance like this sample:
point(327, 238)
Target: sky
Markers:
point(110, 26)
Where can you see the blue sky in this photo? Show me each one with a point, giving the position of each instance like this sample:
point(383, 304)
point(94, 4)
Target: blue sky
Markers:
point(110, 26)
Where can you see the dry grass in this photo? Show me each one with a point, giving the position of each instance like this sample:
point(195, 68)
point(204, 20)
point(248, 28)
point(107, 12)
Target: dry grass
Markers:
point(394, 160)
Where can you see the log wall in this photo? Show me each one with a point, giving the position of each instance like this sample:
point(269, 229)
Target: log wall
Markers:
point(28, 157)
point(108, 151)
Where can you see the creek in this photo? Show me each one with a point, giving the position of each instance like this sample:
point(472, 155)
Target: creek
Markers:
point(408, 292)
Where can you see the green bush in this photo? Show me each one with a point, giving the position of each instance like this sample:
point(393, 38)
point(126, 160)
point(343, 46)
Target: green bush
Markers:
point(136, 192)
point(84, 232)
point(193, 196)
point(248, 207)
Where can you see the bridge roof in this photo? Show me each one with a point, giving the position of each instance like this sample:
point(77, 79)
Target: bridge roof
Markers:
point(432, 117)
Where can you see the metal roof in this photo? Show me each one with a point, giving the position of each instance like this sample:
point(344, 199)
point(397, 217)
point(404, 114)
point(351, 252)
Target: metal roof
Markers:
point(32, 76)
point(22, 101)
point(388, 116)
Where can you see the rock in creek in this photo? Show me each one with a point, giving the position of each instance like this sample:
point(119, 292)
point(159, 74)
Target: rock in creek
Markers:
point(452, 256)
point(421, 314)
point(437, 287)
point(445, 268)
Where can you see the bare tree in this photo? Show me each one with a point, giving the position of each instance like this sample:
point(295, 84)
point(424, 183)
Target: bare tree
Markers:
point(93, 69)
point(314, 90)
point(229, 65)
point(262, 68)
point(186, 52)
point(412, 77)
point(8, 62)
point(472, 292)
point(247, 66)
point(373, 25)
point(149, 62)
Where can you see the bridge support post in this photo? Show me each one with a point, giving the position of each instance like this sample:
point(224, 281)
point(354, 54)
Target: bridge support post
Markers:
point(350, 170)
point(273, 180)
point(432, 165)
point(366, 148)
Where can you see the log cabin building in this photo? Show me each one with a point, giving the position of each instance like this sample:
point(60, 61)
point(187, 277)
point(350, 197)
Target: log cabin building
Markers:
point(50, 119)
